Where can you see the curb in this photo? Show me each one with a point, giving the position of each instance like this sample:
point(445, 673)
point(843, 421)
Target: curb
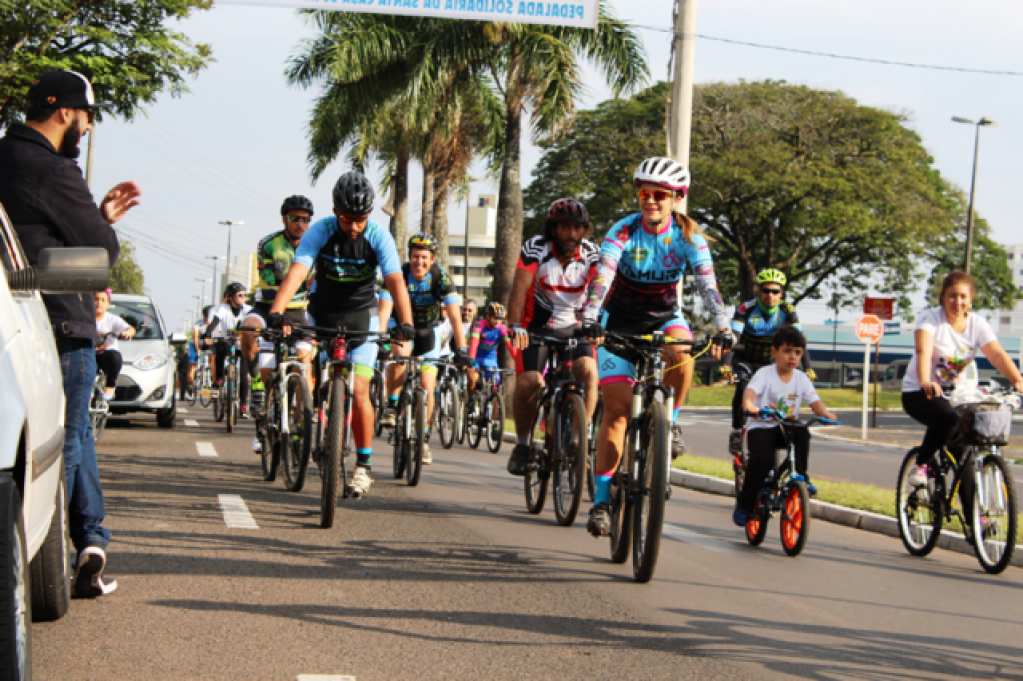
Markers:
point(832, 513)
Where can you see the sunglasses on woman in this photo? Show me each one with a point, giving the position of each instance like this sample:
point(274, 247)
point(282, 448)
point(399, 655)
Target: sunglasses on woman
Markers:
point(657, 195)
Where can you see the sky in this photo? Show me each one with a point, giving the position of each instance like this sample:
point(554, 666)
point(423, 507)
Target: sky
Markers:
point(234, 146)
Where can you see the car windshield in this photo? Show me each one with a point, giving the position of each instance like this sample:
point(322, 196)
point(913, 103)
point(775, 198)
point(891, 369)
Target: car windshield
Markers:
point(142, 316)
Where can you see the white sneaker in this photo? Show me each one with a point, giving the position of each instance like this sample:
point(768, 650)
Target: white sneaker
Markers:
point(360, 482)
point(257, 446)
point(427, 457)
point(918, 476)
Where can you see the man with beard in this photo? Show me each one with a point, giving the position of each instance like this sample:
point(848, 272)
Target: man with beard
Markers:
point(43, 191)
point(547, 297)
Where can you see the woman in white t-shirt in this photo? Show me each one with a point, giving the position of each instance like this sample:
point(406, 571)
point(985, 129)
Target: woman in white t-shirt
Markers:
point(947, 340)
point(109, 327)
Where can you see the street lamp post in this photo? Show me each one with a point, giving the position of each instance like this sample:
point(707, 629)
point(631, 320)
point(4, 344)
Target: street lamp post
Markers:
point(202, 281)
point(973, 184)
point(230, 224)
point(213, 286)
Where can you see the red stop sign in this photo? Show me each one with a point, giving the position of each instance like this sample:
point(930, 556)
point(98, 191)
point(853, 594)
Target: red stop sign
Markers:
point(869, 329)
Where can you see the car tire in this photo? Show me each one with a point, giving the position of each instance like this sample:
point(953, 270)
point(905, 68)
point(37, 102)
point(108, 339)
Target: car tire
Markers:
point(165, 417)
point(51, 567)
point(15, 587)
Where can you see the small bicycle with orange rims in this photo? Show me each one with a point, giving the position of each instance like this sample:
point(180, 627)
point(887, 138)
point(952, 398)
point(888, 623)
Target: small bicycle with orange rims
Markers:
point(784, 492)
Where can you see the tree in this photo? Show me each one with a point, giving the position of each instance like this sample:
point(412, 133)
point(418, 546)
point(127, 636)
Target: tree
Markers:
point(802, 180)
point(126, 276)
point(989, 266)
point(123, 46)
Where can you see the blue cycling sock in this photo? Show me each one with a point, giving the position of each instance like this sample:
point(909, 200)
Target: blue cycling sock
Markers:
point(674, 415)
point(393, 399)
point(363, 456)
point(602, 494)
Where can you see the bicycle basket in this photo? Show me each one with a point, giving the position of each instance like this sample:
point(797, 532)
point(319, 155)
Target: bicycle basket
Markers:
point(987, 424)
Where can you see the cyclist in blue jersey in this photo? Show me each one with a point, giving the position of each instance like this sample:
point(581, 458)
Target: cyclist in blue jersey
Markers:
point(347, 248)
point(642, 260)
point(754, 324)
point(487, 334)
point(432, 294)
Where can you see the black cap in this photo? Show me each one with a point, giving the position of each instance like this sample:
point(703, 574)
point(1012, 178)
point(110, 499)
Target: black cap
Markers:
point(63, 90)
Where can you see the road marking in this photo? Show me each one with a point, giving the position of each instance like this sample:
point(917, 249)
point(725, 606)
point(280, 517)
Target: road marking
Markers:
point(182, 411)
point(191, 423)
point(236, 513)
point(682, 534)
point(205, 449)
point(323, 677)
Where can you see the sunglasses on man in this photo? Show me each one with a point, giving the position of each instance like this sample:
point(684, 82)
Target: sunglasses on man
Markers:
point(771, 291)
point(299, 219)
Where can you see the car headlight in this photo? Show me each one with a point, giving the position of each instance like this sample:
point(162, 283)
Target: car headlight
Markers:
point(150, 362)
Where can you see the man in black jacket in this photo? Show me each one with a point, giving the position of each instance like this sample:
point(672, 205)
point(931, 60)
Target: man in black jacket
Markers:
point(47, 199)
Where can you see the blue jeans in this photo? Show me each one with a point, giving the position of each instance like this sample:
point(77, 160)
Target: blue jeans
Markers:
point(85, 509)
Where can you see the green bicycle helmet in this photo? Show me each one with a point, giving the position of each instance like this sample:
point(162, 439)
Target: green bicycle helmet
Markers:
point(772, 276)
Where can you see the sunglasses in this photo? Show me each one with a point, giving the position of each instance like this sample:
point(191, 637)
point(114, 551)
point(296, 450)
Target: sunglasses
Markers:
point(90, 113)
point(657, 195)
point(301, 219)
point(354, 219)
point(771, 291)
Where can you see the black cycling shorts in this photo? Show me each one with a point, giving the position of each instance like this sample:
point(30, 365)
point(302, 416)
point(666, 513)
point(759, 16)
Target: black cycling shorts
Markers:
point(534, 357)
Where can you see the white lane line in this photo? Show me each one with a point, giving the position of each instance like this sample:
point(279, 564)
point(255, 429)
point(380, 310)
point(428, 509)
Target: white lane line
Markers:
point(236, 513)
point(205, 449)
point(182, 411)
point(682, 534)
point(323, 677)
point(191, 423)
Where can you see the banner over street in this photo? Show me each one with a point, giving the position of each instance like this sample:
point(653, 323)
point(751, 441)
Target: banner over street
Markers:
point(578, 13)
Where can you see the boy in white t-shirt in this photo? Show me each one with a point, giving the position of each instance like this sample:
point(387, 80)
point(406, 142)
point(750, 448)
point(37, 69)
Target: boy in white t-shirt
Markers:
point(783, 387)
point(109, 327)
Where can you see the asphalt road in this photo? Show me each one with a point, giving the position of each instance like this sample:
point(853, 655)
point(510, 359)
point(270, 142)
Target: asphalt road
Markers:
point(453, 579)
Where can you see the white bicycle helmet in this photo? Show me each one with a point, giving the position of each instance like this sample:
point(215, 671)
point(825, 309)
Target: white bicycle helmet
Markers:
point(664, 172)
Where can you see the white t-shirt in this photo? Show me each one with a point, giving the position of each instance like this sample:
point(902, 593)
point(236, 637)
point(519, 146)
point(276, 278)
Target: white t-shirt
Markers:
point(446, 333)
point(228, 319)
point(952, 351)
point(108, 328)
point(774, 394)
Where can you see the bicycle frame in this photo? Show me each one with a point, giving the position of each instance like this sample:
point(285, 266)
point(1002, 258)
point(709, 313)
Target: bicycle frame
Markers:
point(650, 369)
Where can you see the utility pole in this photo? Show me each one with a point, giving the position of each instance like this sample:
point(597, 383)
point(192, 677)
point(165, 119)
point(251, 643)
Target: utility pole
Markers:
point(227, 266)
point(202, 281)
point(213, 286)
point(91, 153)
point(684, 55)
point(973, 185)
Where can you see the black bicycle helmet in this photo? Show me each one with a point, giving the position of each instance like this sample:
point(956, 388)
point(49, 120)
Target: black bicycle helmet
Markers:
point(233, 288)
point(206, 311)
point(353, 194)
point(296, 202)
point(568, 210)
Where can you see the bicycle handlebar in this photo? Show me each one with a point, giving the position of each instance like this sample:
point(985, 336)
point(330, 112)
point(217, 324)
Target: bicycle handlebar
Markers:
point(776, 415)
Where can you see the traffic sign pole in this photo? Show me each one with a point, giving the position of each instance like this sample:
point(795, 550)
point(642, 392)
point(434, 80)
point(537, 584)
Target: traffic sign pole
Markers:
point(869, 329)
point(866, 392)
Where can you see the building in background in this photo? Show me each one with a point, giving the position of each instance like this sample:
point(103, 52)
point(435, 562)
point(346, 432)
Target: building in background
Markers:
point(1010, 322)
point(242, 269)
point(482, 240)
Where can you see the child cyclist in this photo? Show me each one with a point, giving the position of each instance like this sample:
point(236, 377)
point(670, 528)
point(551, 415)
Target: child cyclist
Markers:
point(109, 327)
point(779, 386)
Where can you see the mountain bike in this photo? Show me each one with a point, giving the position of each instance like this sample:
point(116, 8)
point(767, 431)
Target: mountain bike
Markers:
point(284, 426)
point(992, 523)
point(740, 457)
point(378, 394)
point(484, 414)
point(639, 486)
point(203, 385)
point(225, 401)
point(99, 407)
point(447, 407)
point(784, 492)
point(562, 453)
point(463, 410)
point(332, 431)
point(409, 433)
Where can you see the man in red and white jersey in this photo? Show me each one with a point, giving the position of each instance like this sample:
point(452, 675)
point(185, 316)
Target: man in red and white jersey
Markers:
point(547, 297)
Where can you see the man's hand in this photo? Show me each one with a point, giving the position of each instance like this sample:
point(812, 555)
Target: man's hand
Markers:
point(724, 340)
point(462, 357)
point(119, 201)
point(403, 332)
point(520, 337)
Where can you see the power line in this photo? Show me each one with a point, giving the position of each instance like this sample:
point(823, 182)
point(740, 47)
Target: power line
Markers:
point(829, 55)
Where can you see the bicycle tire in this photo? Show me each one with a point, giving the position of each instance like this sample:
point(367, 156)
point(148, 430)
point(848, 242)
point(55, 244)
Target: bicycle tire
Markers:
point(190, 394)
point(648, 508)
point(414, 466)
point(536, 479)
point(332, 452)
point(756, 526)
point(473, 417)
point(570, 459)
point(218, 406)
point(995, 525)
point(621, 522)
point(398, 433)
point(495, 424)
point(447, 415)
point(229, 404)
point(269, 454)
point(921, 513)
point(739, 470)
point(463, 416)
point(591, 463)
point(295, 447)
point(379, 400)
point(794, 524)
point(205, 385)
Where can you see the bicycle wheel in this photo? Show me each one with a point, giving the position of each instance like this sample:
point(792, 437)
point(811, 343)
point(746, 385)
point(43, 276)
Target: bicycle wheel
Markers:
point(739, 469)
point(414, 466)
point(230, 408)
point(269, 453)
point(591, 456)
point(401, 443)
point(205, 383)
point(463, 416)
point(570, 459)
point(475, 421)
point(795, 518)
point(379, 400)
point(495, 422)
point(295, 445)
point(920, 511)
point(447, 408)
point(218, 405)
point(190, 394)
point(331, 471)
point(756, 526)
point(648, 513)
point(536, 478)
point(994, 515)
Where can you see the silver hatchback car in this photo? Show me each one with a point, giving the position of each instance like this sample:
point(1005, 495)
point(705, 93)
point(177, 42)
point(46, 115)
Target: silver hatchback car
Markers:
point(146, 382)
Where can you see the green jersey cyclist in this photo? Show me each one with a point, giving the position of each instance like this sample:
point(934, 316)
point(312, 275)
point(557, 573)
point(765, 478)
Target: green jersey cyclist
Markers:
point(642, 259)
point(347, 248)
